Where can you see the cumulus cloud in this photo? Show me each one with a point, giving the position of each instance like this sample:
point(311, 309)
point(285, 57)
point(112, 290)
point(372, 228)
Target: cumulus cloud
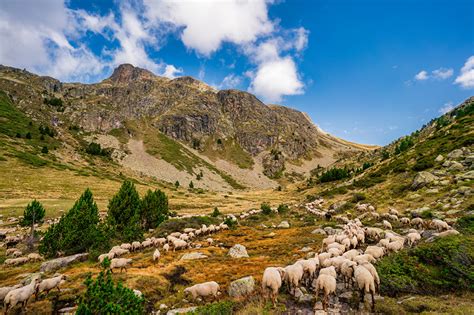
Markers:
point(466, 77)
point(447, 107)
point(172, 72)
point(205, 25)
point(230, 81)
point(422, 75)
point(442, 73)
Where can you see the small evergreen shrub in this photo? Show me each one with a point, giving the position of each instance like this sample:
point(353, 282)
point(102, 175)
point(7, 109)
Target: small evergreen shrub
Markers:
point(266, 209)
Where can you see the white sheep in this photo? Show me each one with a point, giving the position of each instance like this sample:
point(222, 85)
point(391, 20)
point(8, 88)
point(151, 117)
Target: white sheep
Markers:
point(365, 283)
point(109, 256)
point(126, 246)
point(364, 258)
point(136, 245)
point(387, 224)
point(121, 263)
point(331, 270)
point(326, 283)
point(156, 256)
point(441, 234)
point(49, 284)
point(147, 243)
point(166, 247)
point(405, 221)
point(309, 268)
point(293, 275)
point(16, 261)
point(4, 291)
point(35, 257)
point(20, 295)
point(376, 251)
point(394, 246)
point(209, 241)
point(418, 222)
point(351, 254)
point(347, 272)
point(440, 225)
point(272, 281)
point(393, 212)
point(412, 238)
point(179, 244)
point(203, 290)
point(374, 274)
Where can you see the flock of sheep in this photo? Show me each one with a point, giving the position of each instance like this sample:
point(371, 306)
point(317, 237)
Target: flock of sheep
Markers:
point(341, 257)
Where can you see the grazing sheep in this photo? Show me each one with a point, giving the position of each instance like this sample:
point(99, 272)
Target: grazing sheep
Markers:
point(109, 256)
point(35, 257)
point(323, 257)
point(160, 241)
point(4, 291)
point(293, 275)
point(136, 245)
point(126, 246)
point(440, 225)
point(147, 243)
point(326, 283)
point(209, 241)
point(365, 283)
point(17, 253)
point(10, 251)
point(347, 272)
point(309, 268)
point(49, 284)
point(364, 258)
point(179, 244)
point(203, 290)
point(373, 233)
point(441, 234)
point(395, 246)
point(374, 274)
point(121, 263)
point(341, 247)
point(331, 270)
point(383, 242)
point(335, 252)
point(156, 256)
point(351, 254)
point(405, 221)
point(166, 247)
point(376, 251)
point(387, 224)
point(393, 212)
point(20, 295)
point(412, 238)
point(418, 222)
point(271, 282)
point(117, 252)
point(16, 261)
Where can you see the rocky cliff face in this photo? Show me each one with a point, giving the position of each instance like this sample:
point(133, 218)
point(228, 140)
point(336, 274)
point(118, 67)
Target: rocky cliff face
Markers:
point(183, 108)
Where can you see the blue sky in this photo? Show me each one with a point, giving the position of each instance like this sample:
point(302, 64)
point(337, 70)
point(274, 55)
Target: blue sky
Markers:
point(366, 71)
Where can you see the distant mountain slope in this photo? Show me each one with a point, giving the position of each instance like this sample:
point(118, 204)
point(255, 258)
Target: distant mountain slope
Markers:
point(229, 125)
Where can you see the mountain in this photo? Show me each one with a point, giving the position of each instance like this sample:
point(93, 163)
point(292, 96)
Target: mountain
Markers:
point(181, 125)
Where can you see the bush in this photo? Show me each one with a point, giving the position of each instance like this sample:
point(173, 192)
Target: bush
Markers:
point(176, 184)
point(466, 224)
point(77, 231)
point(123, 214)
point(266, 209)
point(18, 135)
point(215, 213)
point(334, 174)
point(103, 296)
point(28, 135)
point(358, 197)
point(173, 225)
point(154, 209)
point(34, 213)
point(447, 264)
point(45, 150)
point(232, 224)
point(95, 149)
point(282, 208)
point(191, 185)
point(404, 145)
point(223, 307)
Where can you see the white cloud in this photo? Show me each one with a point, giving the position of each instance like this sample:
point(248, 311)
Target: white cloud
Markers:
point(172, 72)
point(301, 40)
point(466, 78)
point(276, 78)
point(442, 73)
point(447, 107)
point(205, 25)
point(231, 81)
point(422, 75)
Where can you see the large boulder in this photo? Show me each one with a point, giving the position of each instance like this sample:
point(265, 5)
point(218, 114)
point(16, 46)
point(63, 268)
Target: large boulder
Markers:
point(423, 179)
point(456, 166)
point(193, 256)
point(55, 264)
point(283, 225)
point(455, 154)
point(238, 251)
point(241, 287)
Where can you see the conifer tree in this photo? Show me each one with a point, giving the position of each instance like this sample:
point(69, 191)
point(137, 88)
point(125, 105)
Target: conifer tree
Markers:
point(154, 209)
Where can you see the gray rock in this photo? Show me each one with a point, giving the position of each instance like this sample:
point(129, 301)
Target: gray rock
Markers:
point(193, 256)
point(439, 158)
point(455, 154)
point(413, 196)
point(238, 251)
point(432, 191)
point(345, 297)
point(241, 287)
point(55, 264)
point(270, 235)
point(423, 179)
point(68, 310)
point(468, 175)
point(283, 225)
point(305, 249)
point(444, 182)
point(298, 293)
point(456, 166)
point(307, 298)
point(318, 231)
point(183, 310)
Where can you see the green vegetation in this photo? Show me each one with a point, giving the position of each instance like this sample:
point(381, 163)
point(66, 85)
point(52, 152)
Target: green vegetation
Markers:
point(447, 264)
point(266, 209)
point(334, 174)
point(215, 213)
point(123, 214)
point(282, 208)
point(34, 213)
point(404, 145)
point(176, 184)
point(173, 225)
point(154, 209)
point(95, 149)
point(103, 296)
point(77, 231)
point(44, 150)
point(229, 150)
point(191, 185)
point(223, 307)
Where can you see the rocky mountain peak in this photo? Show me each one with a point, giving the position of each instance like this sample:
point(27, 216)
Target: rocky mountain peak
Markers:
point(126, 73)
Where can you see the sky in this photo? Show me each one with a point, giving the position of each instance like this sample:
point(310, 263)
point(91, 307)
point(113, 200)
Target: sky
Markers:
point(368, 71)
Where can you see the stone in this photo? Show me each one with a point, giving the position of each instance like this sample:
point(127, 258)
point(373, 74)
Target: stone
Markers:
point(68, 310)
point(444, 182)
point(468, 175)
point(298, 293)
point(241, 287)
point(318, 231)
point(432, 191)
point(464, 190)
point(414, 196)
point(163, 306)
point(423, 179)
point(305, 249)
point(439, 158)
point(55, 264)
point(345, 297)
point(28, 277)
point(183, 310)
point(456, 166)
point(306, 298)
point(283, 225)
point(238, 251)
point(270, 235)
point(193, 256)
point(455, 154)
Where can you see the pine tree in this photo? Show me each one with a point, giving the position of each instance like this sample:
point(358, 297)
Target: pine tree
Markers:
point(44, 150)
point(191, 185)
point(34, 213)
point(124, 213)
point(176, 184)
point(154, 209)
